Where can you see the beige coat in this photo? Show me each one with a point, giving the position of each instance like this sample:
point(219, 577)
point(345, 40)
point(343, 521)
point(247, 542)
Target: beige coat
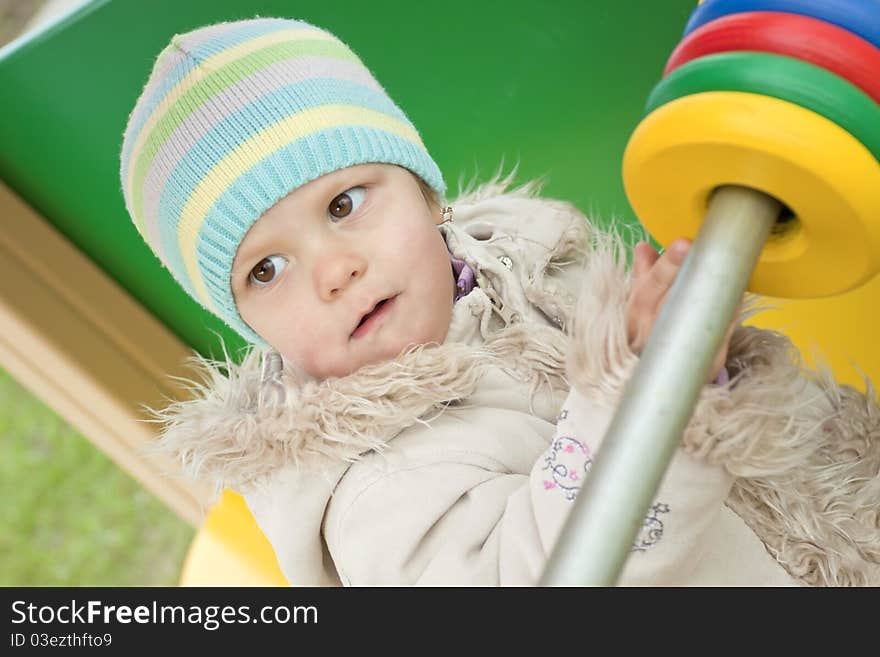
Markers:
point(457, 464)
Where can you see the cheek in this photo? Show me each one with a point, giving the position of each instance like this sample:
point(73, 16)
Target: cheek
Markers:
point(434, 257)
point(273, 321)
point(293, 337)
point(422, 249)
point(432, 284)
point(303, 341)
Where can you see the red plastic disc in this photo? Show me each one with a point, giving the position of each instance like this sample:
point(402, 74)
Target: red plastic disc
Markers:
point(808, 39)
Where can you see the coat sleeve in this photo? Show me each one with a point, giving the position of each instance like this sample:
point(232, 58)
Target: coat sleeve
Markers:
point(672, 538)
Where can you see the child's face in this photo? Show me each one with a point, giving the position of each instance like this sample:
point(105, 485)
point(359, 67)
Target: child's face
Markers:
point(310, 268)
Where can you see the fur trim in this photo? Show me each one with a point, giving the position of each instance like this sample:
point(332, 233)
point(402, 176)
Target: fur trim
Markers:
point(223, 435)
point(498, 184)
point(805, 450)
point(817, 504)
point(600, 360)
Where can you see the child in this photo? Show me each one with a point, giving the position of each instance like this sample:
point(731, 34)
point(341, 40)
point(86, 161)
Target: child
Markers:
point(427, 388)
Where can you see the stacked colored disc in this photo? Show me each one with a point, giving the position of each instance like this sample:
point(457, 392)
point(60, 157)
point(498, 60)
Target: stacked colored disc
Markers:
point(861, 17)
point(792, 80)
point(801, 37)
point(780, 96)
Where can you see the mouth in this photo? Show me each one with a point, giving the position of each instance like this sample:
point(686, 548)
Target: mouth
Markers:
point(375, 317)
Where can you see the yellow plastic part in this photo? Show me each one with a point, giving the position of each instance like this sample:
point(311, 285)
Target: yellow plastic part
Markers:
point(231, 550)
point(685, 149)
point(839, 330)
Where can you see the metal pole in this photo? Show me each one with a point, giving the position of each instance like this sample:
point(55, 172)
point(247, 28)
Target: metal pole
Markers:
point(661, 395)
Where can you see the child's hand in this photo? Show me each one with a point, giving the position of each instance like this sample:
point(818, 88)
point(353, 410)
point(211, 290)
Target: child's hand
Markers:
point(653, 275)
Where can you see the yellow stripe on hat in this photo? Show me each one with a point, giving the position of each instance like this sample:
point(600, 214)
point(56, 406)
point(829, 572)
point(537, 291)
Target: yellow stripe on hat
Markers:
point(207, 67)
point(249, 153)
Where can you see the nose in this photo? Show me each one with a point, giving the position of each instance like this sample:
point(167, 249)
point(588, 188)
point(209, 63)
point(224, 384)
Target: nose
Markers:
point(336, 271)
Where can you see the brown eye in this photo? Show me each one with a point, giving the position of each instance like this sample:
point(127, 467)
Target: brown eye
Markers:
point(341, 205)
point(346, 203)
point(267, 269)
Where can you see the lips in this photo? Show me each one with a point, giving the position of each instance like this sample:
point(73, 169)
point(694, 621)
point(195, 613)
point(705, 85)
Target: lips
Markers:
point(369, 314)
point(374, 316)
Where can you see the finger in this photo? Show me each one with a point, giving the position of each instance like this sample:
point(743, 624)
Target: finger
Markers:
point(653, 275)
point(644, 257)
point(639, 335)
point(664, 270)
point(639, 299)
point(650, 293)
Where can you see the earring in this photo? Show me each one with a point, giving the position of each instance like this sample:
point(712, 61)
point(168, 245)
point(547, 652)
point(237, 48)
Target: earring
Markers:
point(447, 213)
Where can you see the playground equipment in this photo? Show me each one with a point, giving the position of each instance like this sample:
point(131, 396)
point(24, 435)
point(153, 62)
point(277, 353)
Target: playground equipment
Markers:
point(98, 332)
point(771, 162)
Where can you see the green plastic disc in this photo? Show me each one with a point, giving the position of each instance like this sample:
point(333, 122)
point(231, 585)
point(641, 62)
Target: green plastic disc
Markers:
point(786, 78)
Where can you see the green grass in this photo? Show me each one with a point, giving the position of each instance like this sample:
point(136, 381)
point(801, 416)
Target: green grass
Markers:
point(69, 516)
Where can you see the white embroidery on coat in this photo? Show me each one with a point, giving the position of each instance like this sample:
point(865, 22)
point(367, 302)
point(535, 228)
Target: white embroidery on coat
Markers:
point(567, 462)
point(652, 529)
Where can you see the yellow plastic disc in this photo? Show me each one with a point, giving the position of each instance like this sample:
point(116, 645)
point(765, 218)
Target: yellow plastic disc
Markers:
point(685, 149)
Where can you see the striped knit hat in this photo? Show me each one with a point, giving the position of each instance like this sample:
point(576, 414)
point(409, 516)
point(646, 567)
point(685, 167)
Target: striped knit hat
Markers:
point(233, 118)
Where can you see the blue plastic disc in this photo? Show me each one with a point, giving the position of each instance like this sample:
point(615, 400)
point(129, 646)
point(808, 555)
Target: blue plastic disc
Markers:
point(861, 17)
